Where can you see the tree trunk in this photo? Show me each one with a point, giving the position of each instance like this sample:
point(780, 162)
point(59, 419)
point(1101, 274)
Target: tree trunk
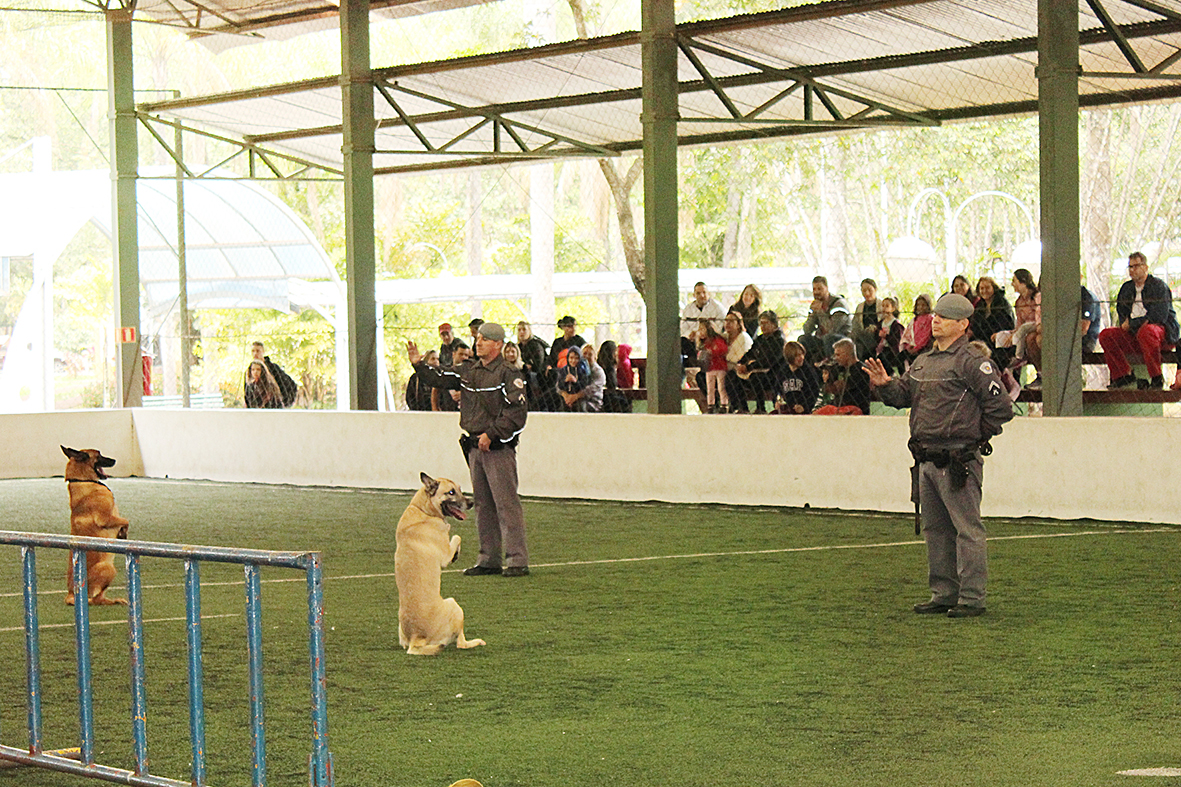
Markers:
point(1096, 201)
point(633, 249)
point(834, 223)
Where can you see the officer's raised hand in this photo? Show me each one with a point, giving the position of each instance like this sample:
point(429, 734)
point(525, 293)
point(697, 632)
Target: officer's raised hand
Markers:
point(876, 371)
point(412, 353)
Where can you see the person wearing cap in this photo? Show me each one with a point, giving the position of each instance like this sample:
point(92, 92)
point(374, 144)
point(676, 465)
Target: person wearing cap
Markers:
point(449, 342)
point(957, 403)
point(492, 413)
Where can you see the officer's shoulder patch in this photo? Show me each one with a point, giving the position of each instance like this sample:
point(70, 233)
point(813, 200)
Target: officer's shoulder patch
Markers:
point(519, 383)
point(986, 367)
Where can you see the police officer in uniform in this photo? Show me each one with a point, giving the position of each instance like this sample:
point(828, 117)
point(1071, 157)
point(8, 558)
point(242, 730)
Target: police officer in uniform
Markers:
point(957, 404)
point(492, 412)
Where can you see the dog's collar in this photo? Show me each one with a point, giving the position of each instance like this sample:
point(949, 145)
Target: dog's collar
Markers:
point(84, 481)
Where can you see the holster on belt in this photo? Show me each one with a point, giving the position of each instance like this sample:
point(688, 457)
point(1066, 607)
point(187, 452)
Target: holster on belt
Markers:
point(468, 441)
point(955, 459)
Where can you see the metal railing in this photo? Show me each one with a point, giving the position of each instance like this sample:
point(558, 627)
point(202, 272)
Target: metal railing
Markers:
point(320, 759)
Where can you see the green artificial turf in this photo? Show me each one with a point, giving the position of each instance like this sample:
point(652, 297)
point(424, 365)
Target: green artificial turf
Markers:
point(760, 646)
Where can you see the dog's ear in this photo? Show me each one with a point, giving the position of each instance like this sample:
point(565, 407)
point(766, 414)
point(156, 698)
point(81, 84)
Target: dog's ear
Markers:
point(429, 483)
point(73, 454)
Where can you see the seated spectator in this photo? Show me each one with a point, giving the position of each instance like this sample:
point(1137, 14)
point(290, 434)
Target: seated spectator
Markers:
point(889, 347)
point(961, 286)
point(1090, 322)
point(711, 354)
point(1147, 325)
point(866, 320)
point(1027, 313)
point(992, 314)
point(534, 352)
point(596, 383)
point(573, 378)
point(828, 321)
point(702, 307)
point(800, 387)
point(762, 366)
point(916, 339)
point(614, 400)
point(557, 358)
point(845, 388)
point(624, 374)
point(738, 343)
point(748, 305)
point(418, 393)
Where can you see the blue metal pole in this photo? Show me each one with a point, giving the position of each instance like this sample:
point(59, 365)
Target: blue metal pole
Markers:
point(320, 764)
point(32, 648)
point(254, 653)
point(82, 644)
point(139, 700)
point(196, 672)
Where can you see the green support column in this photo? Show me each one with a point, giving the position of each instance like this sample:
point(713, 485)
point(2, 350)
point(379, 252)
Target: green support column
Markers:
point(661, 253)
point(125, 235)
point(1057, 73)
point(356, 88)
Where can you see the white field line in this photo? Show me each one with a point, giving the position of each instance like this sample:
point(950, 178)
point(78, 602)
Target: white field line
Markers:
point(120, 622)
point(650, 558)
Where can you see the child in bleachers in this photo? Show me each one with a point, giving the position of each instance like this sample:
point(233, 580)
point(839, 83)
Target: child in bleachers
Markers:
point(711, 351)
point(917, 336)
point(889, 344)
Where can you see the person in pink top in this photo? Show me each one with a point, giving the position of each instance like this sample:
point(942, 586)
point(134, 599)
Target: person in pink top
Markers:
point(916, 338)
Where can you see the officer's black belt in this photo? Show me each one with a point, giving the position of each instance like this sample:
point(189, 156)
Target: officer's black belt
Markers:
point(956, 458)
point(467, 442)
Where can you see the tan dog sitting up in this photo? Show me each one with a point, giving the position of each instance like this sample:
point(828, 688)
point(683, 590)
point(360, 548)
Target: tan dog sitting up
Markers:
point(427, 622)
point(92, 513)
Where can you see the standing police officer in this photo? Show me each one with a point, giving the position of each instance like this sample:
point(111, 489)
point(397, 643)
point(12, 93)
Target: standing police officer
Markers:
point(957, 404)
point(492, 412)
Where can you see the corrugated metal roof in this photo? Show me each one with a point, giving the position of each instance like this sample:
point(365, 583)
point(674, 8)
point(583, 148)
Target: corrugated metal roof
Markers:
point(799, 70)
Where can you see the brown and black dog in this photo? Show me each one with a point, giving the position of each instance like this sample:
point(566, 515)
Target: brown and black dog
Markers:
point(427, 622)
point(92, 513)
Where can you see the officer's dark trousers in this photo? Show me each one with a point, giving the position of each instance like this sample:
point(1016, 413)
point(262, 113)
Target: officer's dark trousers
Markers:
point(957, 554)
point(500, 520)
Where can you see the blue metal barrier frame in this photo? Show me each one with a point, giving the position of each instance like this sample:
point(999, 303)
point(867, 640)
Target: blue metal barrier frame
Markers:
point(319, 761)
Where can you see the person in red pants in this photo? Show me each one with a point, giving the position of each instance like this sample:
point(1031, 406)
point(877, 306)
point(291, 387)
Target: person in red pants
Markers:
point(1147, 325)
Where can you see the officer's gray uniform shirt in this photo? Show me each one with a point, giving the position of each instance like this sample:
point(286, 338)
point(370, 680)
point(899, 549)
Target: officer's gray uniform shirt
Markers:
point(492, 397)
point(955, 395)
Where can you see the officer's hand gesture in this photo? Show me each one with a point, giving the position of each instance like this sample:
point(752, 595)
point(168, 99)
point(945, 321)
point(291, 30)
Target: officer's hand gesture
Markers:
point(876, 371)
point(412, 353)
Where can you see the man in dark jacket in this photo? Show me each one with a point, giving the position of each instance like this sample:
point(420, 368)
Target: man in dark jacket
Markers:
point(763, 367)
point(492, 413)
point(287, 386)
point(1147, 325)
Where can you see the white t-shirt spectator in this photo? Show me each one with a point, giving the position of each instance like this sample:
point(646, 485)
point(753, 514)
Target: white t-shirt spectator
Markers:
point(739, 347)
point(712, 311)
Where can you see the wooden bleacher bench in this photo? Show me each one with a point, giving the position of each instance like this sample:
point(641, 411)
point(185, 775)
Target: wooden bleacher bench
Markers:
point(1118, 395)
point(640, 392)
point(197, 401)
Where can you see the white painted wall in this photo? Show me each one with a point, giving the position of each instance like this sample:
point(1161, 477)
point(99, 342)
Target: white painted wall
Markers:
point(1101, 468)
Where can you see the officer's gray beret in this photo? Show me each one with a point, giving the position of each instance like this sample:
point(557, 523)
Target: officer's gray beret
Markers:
point(493, 332)
point(954, 306)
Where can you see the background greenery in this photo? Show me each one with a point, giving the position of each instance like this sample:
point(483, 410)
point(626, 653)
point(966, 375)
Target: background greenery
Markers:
point(830, 204)
point(652, 645)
